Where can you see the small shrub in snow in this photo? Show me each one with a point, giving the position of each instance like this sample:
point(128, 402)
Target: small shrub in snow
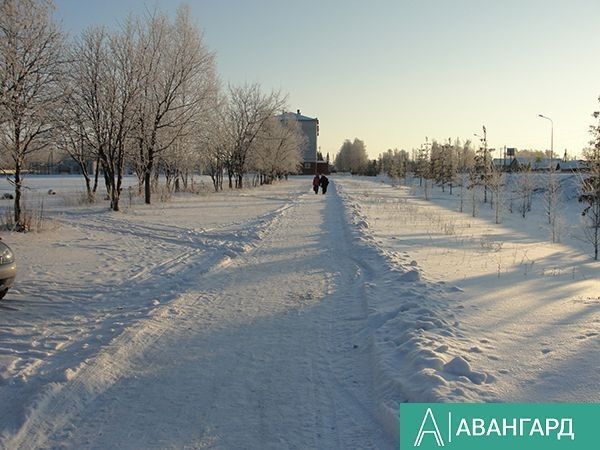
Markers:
point(493, 246)
point(449, 228)
point(31, 220)
point(76, 199)
point(524, 187)
point(164, 193)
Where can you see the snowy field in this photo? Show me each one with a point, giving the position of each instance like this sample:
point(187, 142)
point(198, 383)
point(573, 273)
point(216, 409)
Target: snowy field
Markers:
point(275, 318)
point(521, 314)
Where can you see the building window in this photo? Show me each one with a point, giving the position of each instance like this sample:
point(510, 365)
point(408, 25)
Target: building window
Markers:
point(307, 165)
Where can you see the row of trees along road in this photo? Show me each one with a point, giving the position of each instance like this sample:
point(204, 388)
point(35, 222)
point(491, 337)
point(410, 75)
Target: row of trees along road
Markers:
point(145, 96)
point(456, 164)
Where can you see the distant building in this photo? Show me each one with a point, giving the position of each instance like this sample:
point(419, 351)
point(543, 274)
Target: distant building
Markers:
point(310, 128)
point(576, 165)
point(525, 163)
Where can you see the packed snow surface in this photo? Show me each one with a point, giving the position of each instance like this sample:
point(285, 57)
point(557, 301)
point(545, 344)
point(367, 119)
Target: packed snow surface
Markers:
point(277, 318)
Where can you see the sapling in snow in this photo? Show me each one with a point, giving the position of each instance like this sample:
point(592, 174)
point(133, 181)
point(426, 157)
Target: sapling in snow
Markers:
point(590, 191)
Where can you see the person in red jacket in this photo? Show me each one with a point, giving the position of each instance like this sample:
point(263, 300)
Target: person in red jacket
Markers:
point(316, 183)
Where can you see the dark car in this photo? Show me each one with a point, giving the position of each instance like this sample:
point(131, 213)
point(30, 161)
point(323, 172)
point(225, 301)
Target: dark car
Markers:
point(8, 268)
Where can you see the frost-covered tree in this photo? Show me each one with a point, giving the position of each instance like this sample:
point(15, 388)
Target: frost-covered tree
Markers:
point(590, 190)
point(178, 82)
point(278, 150)
point(31, 65)
point(352, 157)
point(104, 82)
point(437, 163)
point(465, 157)
point(552, 198)
point(482, 168)
point(71, 140)
point(496, 185)
point(474, 181)
point(394, 163)
point(422, 163)
point(217, 144)
point(524, 187)
point(79, 119)
point(247, 111)
point(443, 165)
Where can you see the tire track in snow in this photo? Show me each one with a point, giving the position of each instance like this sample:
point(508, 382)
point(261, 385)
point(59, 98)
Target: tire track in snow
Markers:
point(349, 338)
point(286, 328)
point(63, 398)
point(416, 340)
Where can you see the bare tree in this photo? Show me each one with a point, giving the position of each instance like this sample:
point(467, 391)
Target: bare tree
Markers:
point(72, 140)
point(278, 149)
point(104, 82)
point(465, 162)
point(217, 144)
point(474, 183)
point(552, 199)
point(590, 191)
point(79, 105)
point(496, 186)
point(437, 161)
point(483, 163)
point(178, 78)
point(422, 167)
point(524, 187)
point(394, 163)
point(247, 112)
point(31, 64)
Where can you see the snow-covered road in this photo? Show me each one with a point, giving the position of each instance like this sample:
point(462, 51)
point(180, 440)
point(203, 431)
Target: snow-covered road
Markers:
point(262, 345)
point(276, 318)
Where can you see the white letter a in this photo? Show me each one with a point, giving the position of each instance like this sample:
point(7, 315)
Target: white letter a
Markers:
point(436, 433)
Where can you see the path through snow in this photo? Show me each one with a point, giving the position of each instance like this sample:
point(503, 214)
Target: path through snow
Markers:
point(263, 345)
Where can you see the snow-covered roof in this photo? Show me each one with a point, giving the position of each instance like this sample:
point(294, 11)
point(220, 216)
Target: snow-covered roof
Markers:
point(537, 164)
point(572, 165)
point(295, 116)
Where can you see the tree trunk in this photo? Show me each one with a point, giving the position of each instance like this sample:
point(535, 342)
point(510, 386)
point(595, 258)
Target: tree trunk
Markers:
point(88, 188)
point(147, 175)
point(18, 182)
point(147, 187)
point(96, 175)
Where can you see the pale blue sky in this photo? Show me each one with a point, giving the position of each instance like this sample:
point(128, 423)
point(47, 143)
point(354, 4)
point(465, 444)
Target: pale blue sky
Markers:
point(392, 72)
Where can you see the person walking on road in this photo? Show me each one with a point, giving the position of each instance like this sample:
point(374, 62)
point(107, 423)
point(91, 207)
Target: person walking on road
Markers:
point(324, 183)
point(316, 183)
